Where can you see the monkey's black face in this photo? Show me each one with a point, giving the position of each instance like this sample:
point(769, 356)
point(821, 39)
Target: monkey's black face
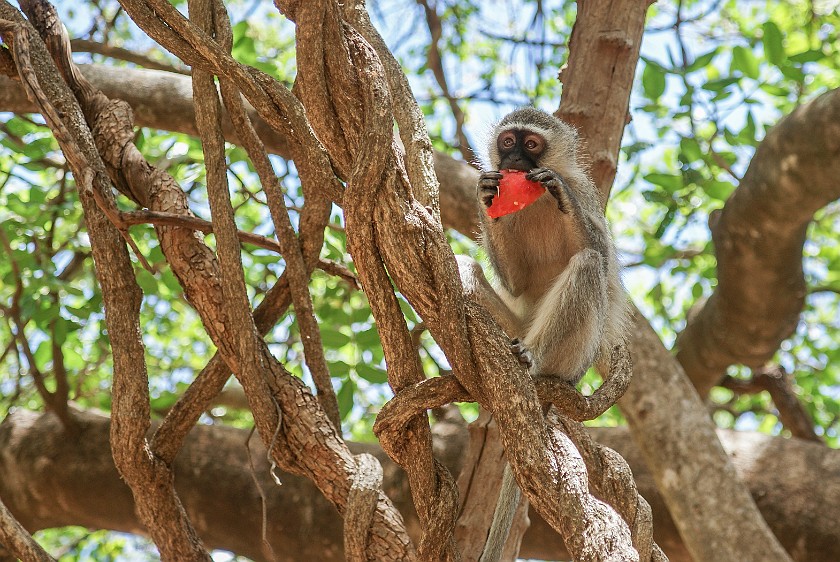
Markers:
point(519, 149)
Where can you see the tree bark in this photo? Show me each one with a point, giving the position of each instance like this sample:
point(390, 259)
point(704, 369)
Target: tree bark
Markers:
point(792, 195)
point(794, 482)
point(605, 44)
point(711, 506)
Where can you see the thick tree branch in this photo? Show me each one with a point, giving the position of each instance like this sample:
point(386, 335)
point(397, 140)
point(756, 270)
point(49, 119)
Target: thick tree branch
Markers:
point(758, 239)
point(711, 506)
point(605, 45)
point(18, 540)
point(793, 481)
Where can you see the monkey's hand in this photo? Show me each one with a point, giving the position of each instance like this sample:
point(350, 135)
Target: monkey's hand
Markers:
point(488, 187)
point(523, 354)
point(554, 184)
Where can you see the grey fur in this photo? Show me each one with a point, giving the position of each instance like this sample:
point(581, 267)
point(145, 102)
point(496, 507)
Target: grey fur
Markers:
point(556, 272)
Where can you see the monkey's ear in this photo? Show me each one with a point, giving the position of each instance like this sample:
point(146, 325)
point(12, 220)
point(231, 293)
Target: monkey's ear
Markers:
point(515, 193)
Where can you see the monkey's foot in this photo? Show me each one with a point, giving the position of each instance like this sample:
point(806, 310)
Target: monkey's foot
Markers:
point(488, 187)
point(523, 354)
point(554, 184)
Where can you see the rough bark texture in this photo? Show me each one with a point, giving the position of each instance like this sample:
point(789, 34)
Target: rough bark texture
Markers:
point(672, 471)
point(794, 482)
point(710, 505)
point(270, 389)
point(484, 465)
point(606, 38)
point(14, 538)
point(758, 236)
point(150, 480)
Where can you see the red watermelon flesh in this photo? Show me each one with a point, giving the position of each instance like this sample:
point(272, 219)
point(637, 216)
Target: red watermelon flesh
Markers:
point(515, 193)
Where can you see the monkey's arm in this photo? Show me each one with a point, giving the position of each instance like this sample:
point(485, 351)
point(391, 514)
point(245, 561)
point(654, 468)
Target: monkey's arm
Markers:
point(478, 289)
point(488, 187)
point(570, 204)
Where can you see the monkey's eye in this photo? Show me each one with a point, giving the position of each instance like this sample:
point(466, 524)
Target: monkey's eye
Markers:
point(534, 143)
point(508, 141)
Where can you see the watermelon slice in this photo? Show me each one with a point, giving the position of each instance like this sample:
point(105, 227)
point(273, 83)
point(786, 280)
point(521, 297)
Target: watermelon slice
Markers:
point(515, 193)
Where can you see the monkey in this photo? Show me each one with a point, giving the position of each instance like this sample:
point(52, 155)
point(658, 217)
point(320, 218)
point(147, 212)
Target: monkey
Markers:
point(557, 290)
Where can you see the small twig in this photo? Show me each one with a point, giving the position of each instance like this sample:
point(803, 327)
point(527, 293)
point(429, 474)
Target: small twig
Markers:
point(110, 210)
point(778, 383)
point(88, 46)
point(435, 64)
point(339, 270)
point(160, 218)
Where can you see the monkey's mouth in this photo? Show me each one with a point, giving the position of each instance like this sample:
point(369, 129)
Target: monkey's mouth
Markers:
point(515, 170)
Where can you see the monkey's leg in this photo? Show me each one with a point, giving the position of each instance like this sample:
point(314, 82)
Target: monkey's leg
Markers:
point(565, 332)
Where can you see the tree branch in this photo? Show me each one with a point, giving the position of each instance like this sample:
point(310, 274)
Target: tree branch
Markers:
point(758, 237)
point(215, 484)
point(163, 100)
point(710, 505)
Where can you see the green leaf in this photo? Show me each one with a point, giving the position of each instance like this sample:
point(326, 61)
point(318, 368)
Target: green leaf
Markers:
point(407, 310)
point(777, 91)
point(720, 190)
point(720, 84)
point(147, 282)
point(773, 47)
point(669, 182)
point(811, 55)
point(667, 220)
point(744, 60)
point(339, 369)
point(690, 150)
point(653, 81)
point(372, 374)
point(345, 397)
point(748, 132)
point(794, 73)
point(360, 314)
point(62, 328)
point(368, 338)
point(703, 60)
point(43, 354)
point(334, 339)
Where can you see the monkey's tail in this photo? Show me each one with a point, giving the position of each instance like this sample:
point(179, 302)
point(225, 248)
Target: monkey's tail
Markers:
point(506, 506)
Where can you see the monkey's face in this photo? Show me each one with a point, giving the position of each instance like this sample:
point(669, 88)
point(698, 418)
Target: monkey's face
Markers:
point(519, 149)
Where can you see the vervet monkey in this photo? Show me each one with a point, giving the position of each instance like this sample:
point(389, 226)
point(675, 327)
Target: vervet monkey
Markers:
point(557, 286)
